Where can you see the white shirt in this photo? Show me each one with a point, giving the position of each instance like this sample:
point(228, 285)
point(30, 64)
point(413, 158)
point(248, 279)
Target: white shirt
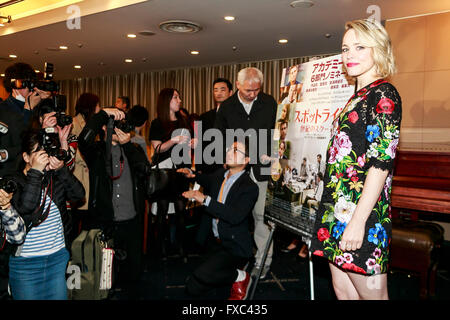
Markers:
point(247, 106)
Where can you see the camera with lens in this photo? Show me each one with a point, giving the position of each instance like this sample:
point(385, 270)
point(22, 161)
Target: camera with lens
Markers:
point(9, 185)
point(46, 84)
point(49, 141)
point(57, 104)
point(126, 125)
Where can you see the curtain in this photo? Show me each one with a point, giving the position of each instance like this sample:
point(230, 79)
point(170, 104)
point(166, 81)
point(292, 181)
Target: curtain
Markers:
point(194, 84)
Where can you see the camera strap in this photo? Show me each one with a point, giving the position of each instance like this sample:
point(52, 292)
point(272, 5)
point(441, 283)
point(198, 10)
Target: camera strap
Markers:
point(47, 210)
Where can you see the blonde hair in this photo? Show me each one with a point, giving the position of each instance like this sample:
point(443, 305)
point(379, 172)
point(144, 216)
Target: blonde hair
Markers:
point(373, 35)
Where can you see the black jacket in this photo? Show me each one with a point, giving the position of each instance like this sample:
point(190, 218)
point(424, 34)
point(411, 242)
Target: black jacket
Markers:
point(65, 187)
point(232, 115)
point(100, 183)
point(13, 114)
point(233, 215)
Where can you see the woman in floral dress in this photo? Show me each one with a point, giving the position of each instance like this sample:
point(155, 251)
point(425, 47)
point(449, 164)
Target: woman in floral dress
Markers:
point(353, 224)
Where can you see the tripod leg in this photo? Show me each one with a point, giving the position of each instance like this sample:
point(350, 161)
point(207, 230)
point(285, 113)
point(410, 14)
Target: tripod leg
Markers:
point(264, 257)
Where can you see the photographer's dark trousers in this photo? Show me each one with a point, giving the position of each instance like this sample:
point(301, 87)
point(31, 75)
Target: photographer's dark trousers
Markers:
point(127, 237)
point(219, 269)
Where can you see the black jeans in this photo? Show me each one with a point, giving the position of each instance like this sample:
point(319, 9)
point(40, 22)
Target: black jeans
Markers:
point(218, 269)
point(127, 236)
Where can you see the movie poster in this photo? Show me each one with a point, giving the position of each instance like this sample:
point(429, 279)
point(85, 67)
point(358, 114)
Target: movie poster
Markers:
point(311, 96)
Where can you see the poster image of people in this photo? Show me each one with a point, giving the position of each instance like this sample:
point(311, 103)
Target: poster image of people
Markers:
point(302, 133)
point(292, 84)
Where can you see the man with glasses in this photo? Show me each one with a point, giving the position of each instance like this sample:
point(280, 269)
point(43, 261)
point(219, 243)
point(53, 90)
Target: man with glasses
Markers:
point(250, 109)
point(229, 196)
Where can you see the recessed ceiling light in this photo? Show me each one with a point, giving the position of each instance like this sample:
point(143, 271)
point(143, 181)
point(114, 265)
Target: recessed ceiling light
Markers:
point(77, 67)
point(128, 60)
point(2, 75)
point(327, 35)
point(283, 41)
point(180, 26)
point(302, 4)
point(131, 35)
point(12, 56)
point(195, 52)
point(63, 47)
point(229, 18)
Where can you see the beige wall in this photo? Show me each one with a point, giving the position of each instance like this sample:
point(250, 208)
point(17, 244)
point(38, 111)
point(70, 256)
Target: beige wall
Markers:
point(422, 50)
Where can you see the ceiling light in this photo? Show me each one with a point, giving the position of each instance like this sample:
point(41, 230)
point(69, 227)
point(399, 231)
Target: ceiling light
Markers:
point(77, 67)
point(2, 75)
point(131, 35)
point(302, 4)
point(12, 56)
point(283, 41)
point(229, 18)
point(37, 71)
point(128, 60)
point(195, 52)
point(63, 47)
point(180, 26)
point(327, 35)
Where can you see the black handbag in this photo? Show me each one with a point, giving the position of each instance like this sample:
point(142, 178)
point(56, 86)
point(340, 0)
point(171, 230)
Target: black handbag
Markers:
point(158, 178)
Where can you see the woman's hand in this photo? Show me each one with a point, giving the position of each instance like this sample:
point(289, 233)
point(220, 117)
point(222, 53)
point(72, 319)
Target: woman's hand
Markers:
point(116, 113)
point(180, 139)
point(54, 164)
point(39, 160)
point(63, 135)
point(353, 235)
point(187, 172)
point(5, 199)
point(122, 137)
point(49, 120)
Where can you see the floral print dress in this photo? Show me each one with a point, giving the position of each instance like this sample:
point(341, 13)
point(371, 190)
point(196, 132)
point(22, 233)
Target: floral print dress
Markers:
point(365, 135)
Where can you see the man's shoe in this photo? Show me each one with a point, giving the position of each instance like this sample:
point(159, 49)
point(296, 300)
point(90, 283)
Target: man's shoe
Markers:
point(264, 272)
point(240, 289)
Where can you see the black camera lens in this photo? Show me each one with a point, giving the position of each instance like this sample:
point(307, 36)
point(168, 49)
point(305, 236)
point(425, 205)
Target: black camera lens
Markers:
point(8, 185)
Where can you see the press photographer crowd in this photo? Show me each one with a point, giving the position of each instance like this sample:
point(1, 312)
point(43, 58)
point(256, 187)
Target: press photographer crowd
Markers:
point(75, 190)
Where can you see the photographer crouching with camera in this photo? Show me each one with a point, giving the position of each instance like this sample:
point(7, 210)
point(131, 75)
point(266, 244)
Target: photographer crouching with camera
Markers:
point(37, 268)
point(117, 176)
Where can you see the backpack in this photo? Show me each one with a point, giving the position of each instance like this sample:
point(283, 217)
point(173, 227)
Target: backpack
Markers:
point(92, 257)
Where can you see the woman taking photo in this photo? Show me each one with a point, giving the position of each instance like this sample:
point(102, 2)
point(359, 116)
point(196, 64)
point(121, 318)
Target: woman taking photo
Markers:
point(37, 269)
point(163, 139)
point(353, 224)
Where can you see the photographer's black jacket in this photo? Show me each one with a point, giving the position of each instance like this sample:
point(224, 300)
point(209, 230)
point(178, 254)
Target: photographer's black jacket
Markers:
point(100, 183)
point(64, 187)
point(13, 114)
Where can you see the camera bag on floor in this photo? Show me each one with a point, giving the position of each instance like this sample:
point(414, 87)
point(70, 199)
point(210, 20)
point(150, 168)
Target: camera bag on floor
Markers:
point(93, 255)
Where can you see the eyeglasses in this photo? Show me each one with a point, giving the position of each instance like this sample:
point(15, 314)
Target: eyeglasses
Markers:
point(235, 150)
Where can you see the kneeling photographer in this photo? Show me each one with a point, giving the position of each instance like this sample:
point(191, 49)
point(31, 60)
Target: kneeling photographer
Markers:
point(117, 176)
point(44, 184)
